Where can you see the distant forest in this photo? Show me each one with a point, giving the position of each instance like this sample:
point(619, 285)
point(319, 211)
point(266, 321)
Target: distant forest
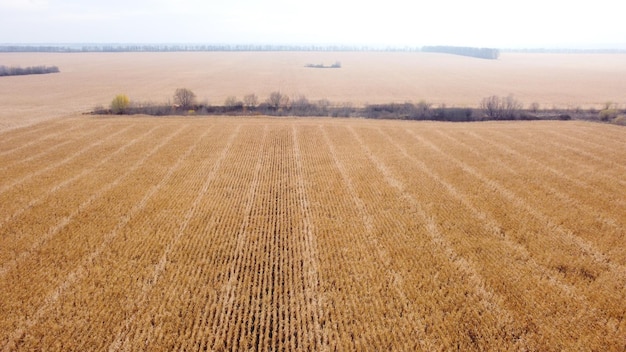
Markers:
point(32, 70)
point(489, 53)
point(483, 53)
point(74, 48)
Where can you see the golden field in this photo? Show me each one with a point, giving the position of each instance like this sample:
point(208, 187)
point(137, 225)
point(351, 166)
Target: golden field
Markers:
point(256, 233)
point(138, 233)
point(90, 79)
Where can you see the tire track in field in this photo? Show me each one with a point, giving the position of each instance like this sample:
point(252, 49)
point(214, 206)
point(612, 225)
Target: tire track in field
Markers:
point(122, 337)
point(30, 130)
point(529, 159)
point(35, 156)
point(366, 218)
point(70, 180)
point(585, 247)
point(40, 140)
point(211, 244)
point(311, 258)
point(604, 135)
point(225, 305)
point(557, 193)
point(593, 156)
point(41, 240)
point(491, 224)
point(579, 141)
point(65, 160)
point(79, 273)
point(17, 160)
point(609, 162)
point(490, 299)
point(589, 169)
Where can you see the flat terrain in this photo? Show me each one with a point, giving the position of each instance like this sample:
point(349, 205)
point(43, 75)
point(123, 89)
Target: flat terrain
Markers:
point(310, 234)
point(90, 79)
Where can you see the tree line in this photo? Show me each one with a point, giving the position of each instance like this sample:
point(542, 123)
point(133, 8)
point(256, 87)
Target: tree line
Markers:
point(75, 48)
point(184, 102)
point(483, 53)
point(489, 53)
point(32, 70)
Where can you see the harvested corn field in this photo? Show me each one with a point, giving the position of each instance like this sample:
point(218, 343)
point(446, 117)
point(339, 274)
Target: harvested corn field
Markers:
point(312, 234)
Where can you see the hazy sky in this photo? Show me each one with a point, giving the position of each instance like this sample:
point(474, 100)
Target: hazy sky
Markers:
point(493, 23)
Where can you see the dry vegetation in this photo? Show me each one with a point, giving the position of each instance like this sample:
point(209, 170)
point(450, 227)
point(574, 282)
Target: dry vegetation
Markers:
point(320, 234)
point(90, 79)
point(211, 233)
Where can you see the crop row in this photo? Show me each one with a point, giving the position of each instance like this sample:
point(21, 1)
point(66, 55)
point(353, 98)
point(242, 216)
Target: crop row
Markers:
point(271, 234)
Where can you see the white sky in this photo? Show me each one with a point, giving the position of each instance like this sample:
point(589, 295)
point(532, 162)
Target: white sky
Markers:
point(488, 23)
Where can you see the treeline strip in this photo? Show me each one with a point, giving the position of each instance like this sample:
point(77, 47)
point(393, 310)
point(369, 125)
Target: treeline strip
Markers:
point(198, 47)
point(483, 53)
point(323, 108)
point(32, 70)
point(337, 64)
point(77, 48)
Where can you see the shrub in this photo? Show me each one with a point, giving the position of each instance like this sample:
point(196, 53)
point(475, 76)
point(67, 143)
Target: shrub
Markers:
point(620, 120)
point(608, 114)
point(120, 104)
point(453, 114)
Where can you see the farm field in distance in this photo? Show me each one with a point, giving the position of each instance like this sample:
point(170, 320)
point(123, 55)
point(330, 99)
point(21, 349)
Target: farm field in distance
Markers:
point(87, 80)
point(138, 233)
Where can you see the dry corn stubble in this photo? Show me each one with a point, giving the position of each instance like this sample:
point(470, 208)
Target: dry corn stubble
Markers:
point(312, 234)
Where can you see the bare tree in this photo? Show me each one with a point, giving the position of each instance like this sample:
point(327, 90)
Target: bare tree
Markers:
point(500, 108)
point(232, 102)
point(277, 100)
point(534, 107)
point(511, 107)
point(424, 109)
point(184, 98)
point(250, 101)
point(491, 106)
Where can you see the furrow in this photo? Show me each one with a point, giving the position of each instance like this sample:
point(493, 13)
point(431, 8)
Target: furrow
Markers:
point(65, 160)
point(490, 300)
point(79, 273)
point(56, 228)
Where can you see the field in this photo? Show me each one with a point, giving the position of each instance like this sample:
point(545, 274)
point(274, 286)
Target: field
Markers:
point(90, 79)
point(312, 234)
point(256, 233)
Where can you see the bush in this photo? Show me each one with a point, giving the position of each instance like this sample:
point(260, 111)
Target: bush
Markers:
point(608, 114)
point(120, 104)
point(620, 120)
point(454, 114)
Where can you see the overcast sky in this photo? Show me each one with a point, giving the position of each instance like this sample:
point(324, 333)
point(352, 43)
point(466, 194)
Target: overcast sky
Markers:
point(488, 23)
